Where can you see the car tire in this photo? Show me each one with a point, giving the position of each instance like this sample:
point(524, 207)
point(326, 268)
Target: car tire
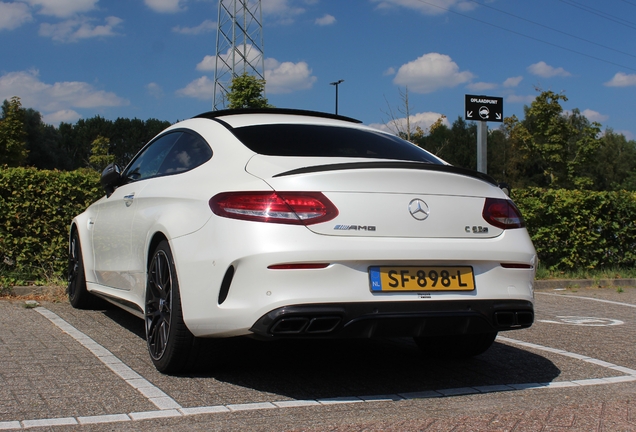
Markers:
point(456, 346)
point(169, 340)
point(78, 295)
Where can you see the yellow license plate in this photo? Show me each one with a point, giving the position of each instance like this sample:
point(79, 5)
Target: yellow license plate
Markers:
point(396, 279)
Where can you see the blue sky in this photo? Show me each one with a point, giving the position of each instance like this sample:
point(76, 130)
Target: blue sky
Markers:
point(72, 59)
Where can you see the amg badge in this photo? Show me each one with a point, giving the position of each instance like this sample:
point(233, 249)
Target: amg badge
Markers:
point(354, 227)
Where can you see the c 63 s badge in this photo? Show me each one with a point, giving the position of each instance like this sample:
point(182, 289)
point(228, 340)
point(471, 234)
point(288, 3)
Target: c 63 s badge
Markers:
point(476, 229)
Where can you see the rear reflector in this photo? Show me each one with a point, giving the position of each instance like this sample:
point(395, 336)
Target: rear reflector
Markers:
point(296, 208)
point(300, 266)
point(502, 213)
point(516, 266)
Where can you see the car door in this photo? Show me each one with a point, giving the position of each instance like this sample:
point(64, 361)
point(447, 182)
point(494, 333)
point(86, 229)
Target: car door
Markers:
point(116, 265)
point(165, 200)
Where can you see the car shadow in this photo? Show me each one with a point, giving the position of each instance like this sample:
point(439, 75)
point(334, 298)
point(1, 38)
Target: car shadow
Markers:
point(323, 368)
point(314, 369)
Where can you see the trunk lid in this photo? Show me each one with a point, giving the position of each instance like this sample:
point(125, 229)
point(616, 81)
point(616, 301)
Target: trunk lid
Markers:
point(384, 198)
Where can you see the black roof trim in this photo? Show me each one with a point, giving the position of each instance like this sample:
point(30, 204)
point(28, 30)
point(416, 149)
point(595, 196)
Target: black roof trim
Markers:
point(219, 113)
point(392, 165)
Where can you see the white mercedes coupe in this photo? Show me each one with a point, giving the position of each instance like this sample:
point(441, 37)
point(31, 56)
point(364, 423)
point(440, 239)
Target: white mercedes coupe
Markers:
point(279, 223)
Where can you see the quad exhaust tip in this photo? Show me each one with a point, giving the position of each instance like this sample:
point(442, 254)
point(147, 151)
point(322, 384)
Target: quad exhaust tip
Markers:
point(514, 319)
point(305, 325)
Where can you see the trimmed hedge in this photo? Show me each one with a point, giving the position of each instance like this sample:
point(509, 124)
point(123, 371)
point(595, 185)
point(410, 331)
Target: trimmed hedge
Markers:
point(570, 229)
point(574, 229)
point(36, 208)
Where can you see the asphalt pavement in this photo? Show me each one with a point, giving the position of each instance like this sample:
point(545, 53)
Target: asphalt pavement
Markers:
point(573, 370)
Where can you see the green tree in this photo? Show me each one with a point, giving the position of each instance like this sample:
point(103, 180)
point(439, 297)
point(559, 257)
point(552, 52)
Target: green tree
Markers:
point(497, 155)
point(246, 91)
point(43, 143)
point(613, 166)
point(560, 144)
point(77, 139)
point(128, 136)
point(100, 156)
point(522, 167)
point(13, 151)
point(438, 138)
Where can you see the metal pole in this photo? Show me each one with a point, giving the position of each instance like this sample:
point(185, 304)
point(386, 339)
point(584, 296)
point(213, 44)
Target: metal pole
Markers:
point(336, 83)
point(482, 147)
point(336, 100)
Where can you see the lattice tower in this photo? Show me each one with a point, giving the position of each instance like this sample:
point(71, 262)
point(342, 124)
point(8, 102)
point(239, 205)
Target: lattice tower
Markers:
point(239, 45)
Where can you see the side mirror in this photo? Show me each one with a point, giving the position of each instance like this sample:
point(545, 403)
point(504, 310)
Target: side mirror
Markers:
point(505, 187)
point(111, 178)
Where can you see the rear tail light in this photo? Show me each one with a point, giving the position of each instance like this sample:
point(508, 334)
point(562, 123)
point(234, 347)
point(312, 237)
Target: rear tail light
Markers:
point(296, 208)
point(298, 266)
point(502, 213)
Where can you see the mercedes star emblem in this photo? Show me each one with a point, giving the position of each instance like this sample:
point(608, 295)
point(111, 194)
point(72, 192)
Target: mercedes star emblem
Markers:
point(419, 209)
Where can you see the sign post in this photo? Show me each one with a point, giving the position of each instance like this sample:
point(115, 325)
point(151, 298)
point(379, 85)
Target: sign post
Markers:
point(483, 109)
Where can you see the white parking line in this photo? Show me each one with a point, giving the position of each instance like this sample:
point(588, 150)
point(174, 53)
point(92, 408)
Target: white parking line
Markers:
point(178, 411)
point(608, 365)
point(155, 395)
point(587, 298)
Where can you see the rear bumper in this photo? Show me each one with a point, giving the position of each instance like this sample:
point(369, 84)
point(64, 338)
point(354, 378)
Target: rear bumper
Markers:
point(394, 319)
point(216, 305)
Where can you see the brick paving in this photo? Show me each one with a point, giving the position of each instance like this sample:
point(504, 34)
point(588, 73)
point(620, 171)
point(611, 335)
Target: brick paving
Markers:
point(612, 416)
point(48, 378)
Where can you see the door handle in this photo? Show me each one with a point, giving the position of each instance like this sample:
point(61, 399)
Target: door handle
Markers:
point(128, 199)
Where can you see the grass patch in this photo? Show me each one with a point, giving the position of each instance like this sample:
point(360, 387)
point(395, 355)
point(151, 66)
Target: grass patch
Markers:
point(594, 274)
point(53, 294)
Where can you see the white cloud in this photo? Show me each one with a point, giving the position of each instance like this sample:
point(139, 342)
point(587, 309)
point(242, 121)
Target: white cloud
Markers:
point(512, 81)
point(431, 72)
point(209, 61)
point(206, 26)
point(154, 90)
point(166, 6)
point(67, 116)
point(423, 120)
point(389, 71)
point(201, 88)
point(281, 10)
point(207, 64)
point(594, 116)
point(73, 30)
point(544, 70)
point(481, 86)
point(63, 8)
point(622, 80)
point(287, 77)
point(326, 20)
point(280, 78)
point(54, 97)
point(431, 7)
point(13, 15)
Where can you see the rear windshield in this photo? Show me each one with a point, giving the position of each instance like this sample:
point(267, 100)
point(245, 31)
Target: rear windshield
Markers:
point(328, 141)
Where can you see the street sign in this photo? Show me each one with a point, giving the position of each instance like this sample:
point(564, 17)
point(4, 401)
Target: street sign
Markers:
point(484, 108)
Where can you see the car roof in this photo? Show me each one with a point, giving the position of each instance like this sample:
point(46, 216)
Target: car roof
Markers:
point(254, 116)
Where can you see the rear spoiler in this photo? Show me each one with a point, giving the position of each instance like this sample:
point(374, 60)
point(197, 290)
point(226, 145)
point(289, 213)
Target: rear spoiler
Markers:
point(392, 165)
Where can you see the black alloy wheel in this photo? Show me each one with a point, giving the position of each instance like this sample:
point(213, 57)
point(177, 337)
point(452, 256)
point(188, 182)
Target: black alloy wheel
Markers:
point(169, 341)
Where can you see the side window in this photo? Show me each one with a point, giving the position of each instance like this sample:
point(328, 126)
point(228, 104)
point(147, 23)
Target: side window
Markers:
point(188, 152)
point(150, 159)
point(172, 153)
